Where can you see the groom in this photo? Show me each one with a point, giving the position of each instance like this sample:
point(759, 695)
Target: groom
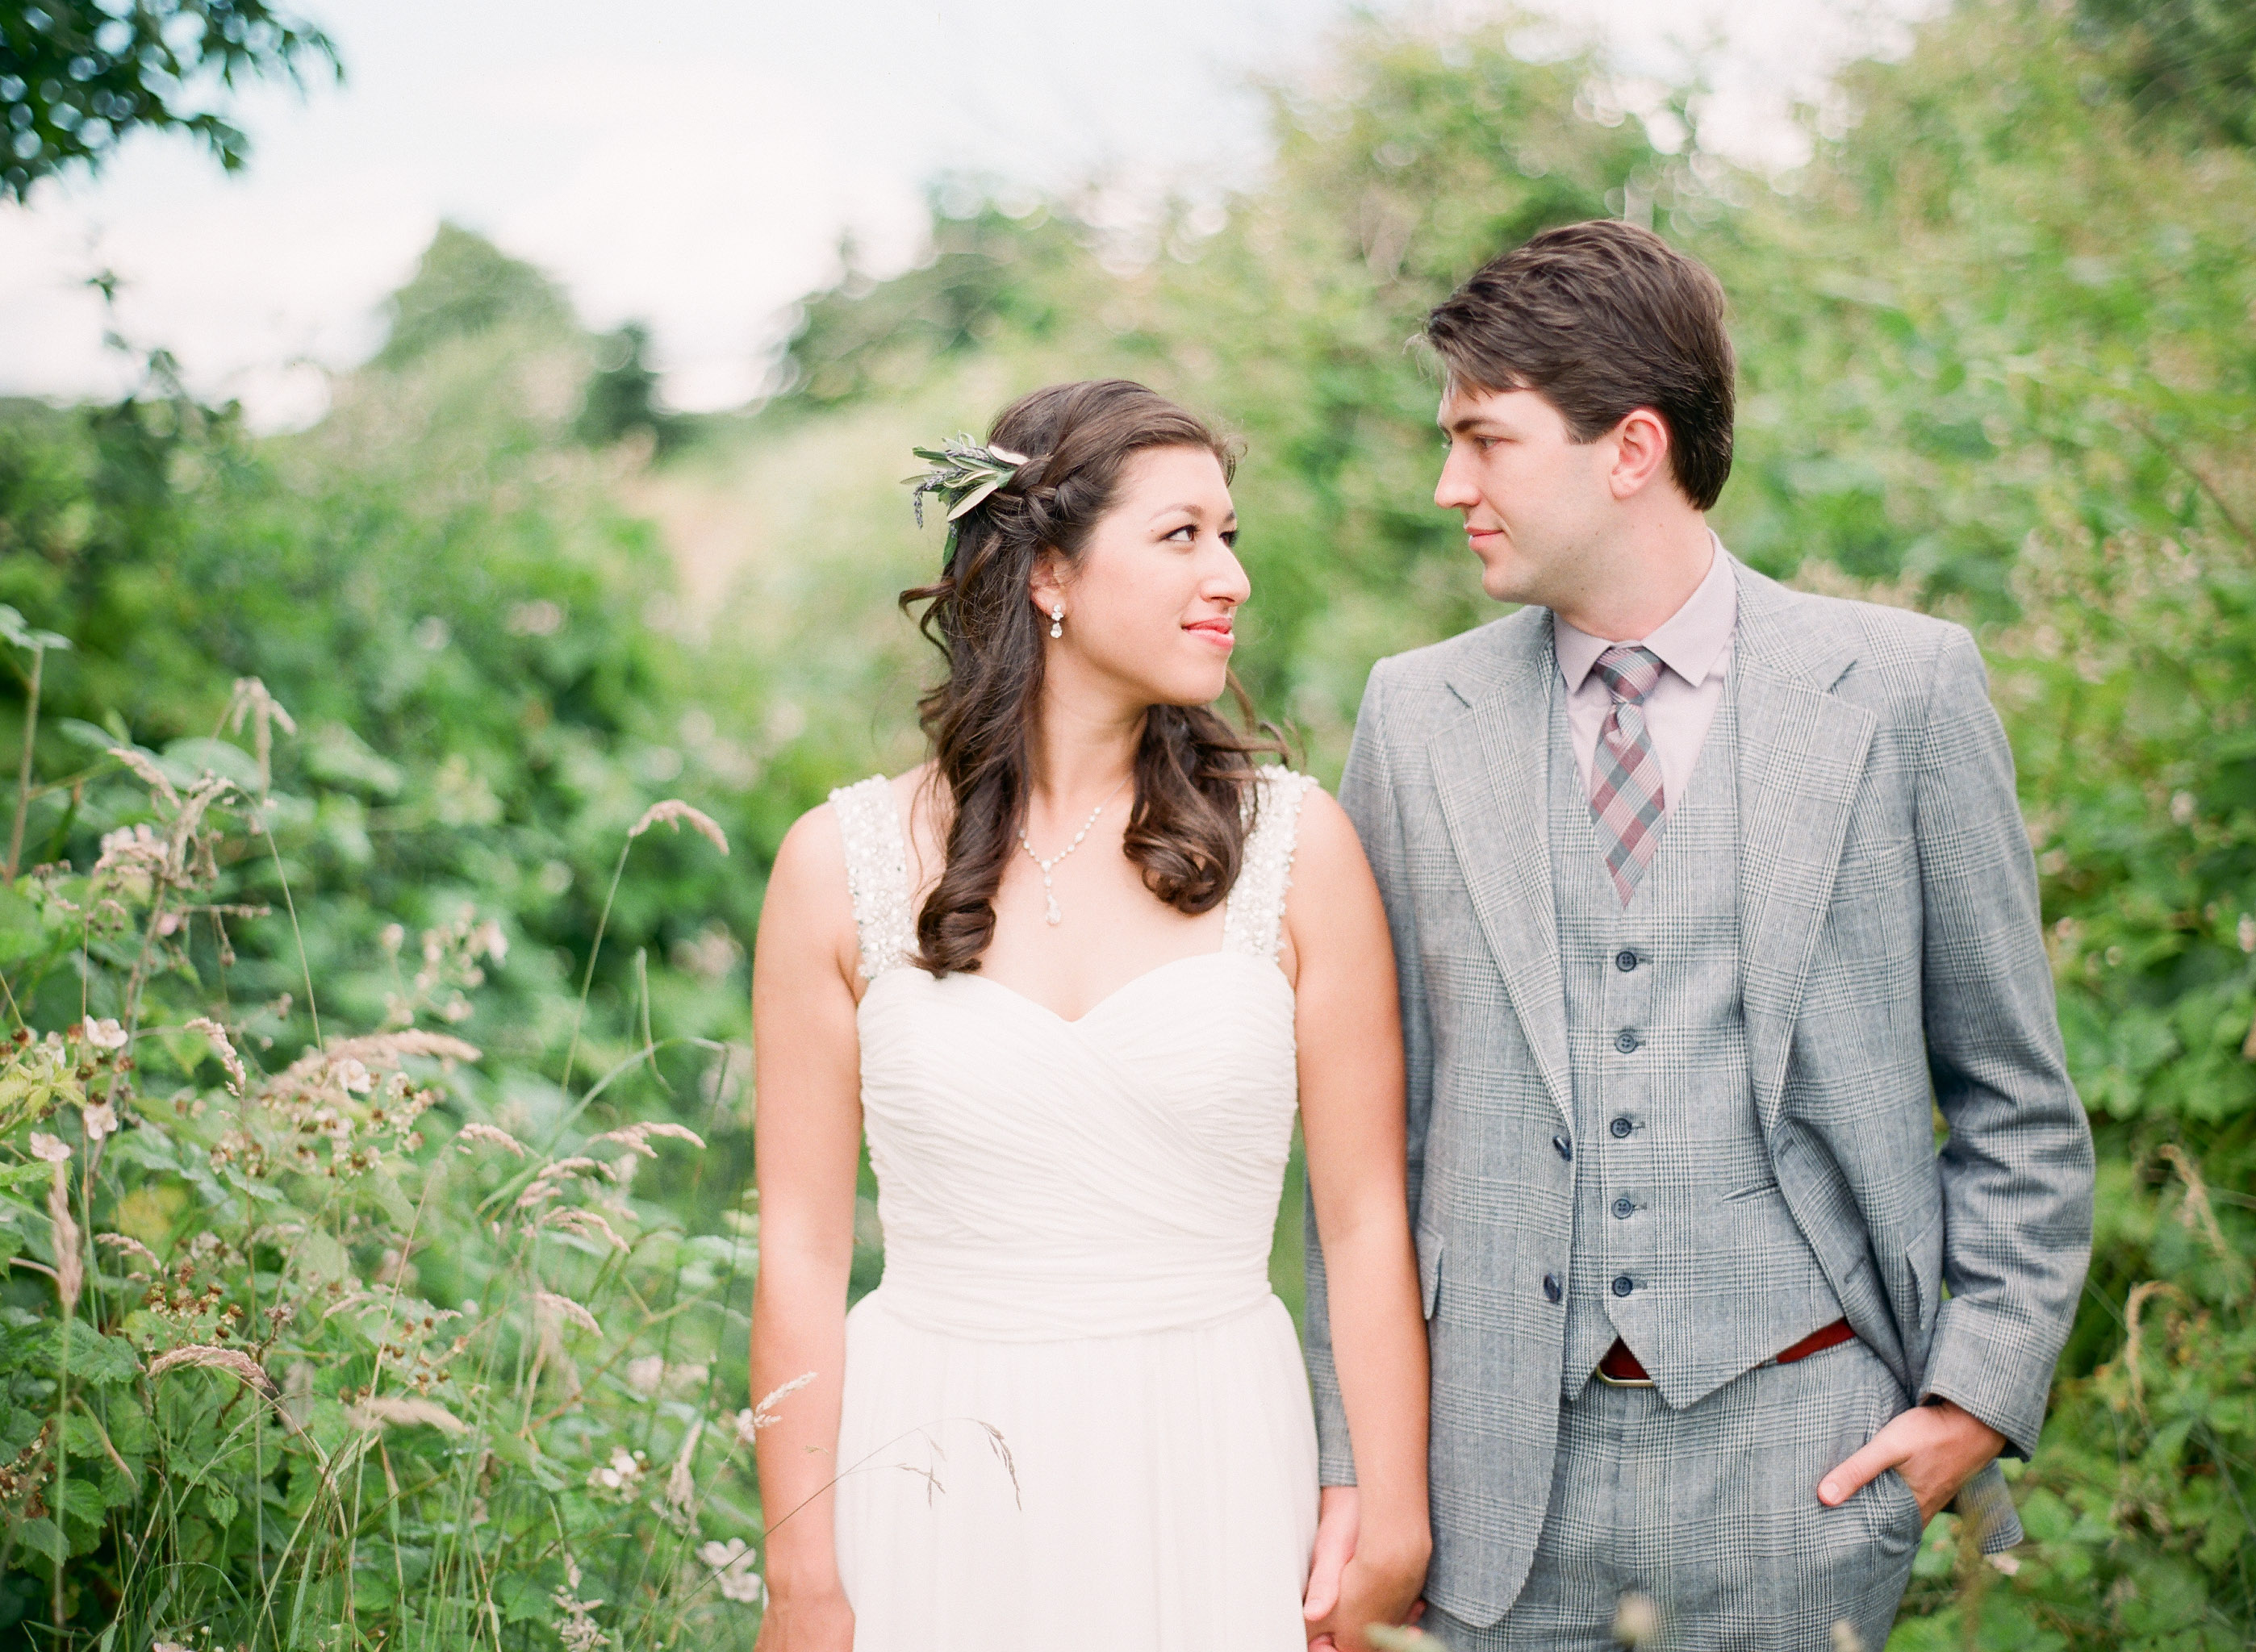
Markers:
point(1752, 1200)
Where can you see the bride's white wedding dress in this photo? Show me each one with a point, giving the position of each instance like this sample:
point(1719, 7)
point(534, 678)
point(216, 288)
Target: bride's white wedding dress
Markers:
point(1075, 1414)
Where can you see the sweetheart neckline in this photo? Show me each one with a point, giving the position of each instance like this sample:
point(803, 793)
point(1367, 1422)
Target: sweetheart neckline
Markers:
point(1269, 965)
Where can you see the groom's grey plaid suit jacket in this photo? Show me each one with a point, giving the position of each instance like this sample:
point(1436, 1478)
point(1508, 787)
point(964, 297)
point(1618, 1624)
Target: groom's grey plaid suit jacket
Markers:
point(1892, 964)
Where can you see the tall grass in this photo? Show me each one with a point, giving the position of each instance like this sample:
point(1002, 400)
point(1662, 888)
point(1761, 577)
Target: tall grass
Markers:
point(331, 1351)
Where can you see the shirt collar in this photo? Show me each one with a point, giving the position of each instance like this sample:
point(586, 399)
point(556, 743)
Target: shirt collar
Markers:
point(1691, 642)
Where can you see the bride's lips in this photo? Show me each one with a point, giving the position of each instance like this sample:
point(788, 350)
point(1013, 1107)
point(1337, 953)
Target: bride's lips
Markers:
point(1215, 631)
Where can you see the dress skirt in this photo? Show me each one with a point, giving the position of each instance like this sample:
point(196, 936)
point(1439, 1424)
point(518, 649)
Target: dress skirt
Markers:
point(1119, 1494)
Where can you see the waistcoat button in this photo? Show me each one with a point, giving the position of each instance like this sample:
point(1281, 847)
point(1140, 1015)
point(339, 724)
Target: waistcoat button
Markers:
point(1621, 1128)
point(1623, 1207)
point(1566, 1147)
point(1551, 1290)
point(1625, 1041)
point(1624, 961)
point(1623, 1284)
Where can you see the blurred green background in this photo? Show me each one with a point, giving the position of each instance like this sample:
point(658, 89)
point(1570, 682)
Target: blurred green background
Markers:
point(1998, 346)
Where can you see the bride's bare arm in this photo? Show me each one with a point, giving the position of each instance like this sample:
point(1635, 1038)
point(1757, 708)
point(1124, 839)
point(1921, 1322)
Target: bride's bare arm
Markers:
point(807, 1148)
point(1351, 1068)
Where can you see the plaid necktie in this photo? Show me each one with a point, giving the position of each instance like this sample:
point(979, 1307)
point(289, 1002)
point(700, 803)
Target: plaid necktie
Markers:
point(1625, 792)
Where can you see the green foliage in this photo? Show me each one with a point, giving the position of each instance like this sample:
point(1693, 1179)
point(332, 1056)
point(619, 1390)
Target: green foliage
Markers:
point(621, 399)
point(2192, 60)
point(465, 287)
point(279, 1370)
point(76, 76)
point(1995, 362)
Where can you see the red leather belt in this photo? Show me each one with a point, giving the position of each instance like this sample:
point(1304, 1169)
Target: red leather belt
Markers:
point(1621, 1368)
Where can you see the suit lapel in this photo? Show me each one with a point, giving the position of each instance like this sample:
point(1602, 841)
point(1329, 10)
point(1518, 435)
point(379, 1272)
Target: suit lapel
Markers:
point(1801, 760)
point(1491, 770)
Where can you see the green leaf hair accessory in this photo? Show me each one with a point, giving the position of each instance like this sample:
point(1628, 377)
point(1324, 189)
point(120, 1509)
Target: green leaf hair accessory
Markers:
point(963, 473)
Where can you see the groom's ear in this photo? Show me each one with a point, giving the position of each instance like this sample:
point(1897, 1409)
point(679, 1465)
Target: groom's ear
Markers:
point(1640, 442)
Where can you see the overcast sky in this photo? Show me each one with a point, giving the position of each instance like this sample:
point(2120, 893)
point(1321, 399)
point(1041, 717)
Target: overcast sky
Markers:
point(693, 162)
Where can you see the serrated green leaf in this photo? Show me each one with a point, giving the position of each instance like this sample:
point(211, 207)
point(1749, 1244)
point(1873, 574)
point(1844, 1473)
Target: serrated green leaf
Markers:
point(99, 1359)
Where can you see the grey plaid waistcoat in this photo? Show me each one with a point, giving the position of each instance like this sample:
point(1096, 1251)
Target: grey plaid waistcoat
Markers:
point(1891, 965)
point(1682, 1245)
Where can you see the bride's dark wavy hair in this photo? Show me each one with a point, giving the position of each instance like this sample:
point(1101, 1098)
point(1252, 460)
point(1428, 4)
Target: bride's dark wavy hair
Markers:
point(1194, 776)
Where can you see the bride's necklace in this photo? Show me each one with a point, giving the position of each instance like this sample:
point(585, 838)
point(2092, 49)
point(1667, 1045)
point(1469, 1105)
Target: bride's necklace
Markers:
point(1054, 915)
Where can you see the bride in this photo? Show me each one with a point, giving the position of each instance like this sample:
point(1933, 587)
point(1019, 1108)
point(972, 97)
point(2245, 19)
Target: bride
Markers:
point(1055, 975)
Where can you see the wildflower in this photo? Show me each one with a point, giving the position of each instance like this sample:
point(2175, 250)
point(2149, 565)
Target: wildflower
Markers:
point(486, 1133)
point(52, 1148)
point(586, 1225)
point(565, 1308)
point(238, 1364)
point(681, 1484)
point(70, 1266)
point(763, 1414)
point(122, 1241)
point(377, 1410)
point(732, 1569)
point(579, 1631)
point(638, 1136)
point(354, 1077)
point(105, 1034)
point(487, 940)
point(99, 1120)
point(391, 937)
point(643, 1375)
point(223, 1048)
point(673, 812)
point(619, 1473)
point(132, 849)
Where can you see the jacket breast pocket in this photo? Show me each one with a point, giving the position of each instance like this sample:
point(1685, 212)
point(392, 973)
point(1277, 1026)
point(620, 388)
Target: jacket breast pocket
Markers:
point(1429, 1272)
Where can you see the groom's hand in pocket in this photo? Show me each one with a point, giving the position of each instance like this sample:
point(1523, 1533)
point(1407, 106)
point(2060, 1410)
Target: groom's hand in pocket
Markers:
point(1937, 1448)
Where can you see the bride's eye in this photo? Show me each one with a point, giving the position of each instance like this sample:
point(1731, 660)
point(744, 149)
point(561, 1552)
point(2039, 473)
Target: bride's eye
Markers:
point(1185, 534)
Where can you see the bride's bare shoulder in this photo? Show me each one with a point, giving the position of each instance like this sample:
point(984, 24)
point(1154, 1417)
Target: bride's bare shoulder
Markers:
point(1328, 867)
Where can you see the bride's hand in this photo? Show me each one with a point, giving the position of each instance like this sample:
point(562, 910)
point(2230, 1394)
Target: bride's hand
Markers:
point(1371, 1590)
point(806, 1620)
point(1351, 1585)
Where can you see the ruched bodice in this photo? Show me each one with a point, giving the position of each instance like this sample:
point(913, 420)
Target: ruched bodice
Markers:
point(1099, 1194)
point(1040, 1178)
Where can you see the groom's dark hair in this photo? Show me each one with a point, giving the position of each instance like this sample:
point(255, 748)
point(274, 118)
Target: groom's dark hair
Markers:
point(1600, 318)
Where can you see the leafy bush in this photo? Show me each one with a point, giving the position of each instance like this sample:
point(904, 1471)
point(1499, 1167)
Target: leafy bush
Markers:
point(350, 1350)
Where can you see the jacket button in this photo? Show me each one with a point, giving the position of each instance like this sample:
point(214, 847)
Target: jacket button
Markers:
point(1566, 1147)
point(1625, 1041)
point(1621, 1128)
point(1623, 1284)
point(1623, 1208)
point(1551, 1290)
point(1624, 961)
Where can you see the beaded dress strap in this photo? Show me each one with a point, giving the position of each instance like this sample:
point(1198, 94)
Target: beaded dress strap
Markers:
point(1253, 920)
point(876, 874)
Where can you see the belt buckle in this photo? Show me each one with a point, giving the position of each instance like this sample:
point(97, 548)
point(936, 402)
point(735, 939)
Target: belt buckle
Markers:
point(1621, 1382)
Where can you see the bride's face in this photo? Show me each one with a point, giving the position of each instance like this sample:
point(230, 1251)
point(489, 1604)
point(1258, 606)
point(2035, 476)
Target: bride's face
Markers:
point(1149, 602)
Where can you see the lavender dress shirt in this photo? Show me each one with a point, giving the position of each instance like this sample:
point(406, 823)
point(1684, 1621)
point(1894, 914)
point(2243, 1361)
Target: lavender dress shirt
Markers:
point(1694, 645)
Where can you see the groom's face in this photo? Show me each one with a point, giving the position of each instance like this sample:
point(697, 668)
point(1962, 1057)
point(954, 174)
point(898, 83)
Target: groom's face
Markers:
point(1536, 503)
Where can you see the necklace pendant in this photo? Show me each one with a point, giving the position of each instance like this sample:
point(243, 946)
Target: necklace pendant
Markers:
point(1053, 915)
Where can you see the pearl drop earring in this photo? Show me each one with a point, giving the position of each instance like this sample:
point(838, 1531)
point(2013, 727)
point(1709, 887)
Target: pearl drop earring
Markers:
point(1057, 622)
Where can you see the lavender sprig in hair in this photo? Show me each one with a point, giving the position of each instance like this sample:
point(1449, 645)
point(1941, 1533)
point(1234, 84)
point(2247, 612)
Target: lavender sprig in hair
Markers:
point(963, 473)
